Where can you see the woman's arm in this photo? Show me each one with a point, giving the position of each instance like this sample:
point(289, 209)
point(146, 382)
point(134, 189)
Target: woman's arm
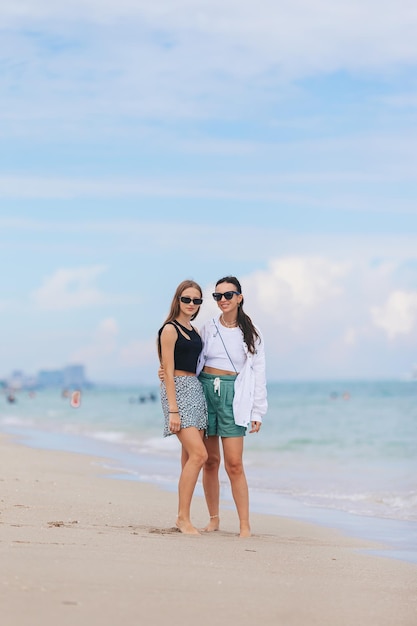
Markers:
point(168, 340)
point(260, 403)
point(204, 334)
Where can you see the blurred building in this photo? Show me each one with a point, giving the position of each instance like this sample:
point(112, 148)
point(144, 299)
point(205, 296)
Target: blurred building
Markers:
point(16, 380)
point(50, 378)
point(74, 376)
point(70, 377)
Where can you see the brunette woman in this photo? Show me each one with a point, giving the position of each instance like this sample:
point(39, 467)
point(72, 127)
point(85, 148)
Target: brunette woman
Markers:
point(231, 369)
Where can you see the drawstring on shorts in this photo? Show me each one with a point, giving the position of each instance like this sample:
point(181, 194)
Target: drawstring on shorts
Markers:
point(216, 385)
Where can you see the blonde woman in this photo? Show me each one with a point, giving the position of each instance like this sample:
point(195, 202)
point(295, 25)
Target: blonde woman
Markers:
point(182, 397)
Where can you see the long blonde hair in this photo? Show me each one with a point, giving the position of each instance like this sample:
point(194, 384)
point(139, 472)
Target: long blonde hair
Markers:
point(175, 306)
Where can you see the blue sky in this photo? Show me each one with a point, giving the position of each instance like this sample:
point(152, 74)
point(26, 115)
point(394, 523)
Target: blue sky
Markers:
point(143, 143)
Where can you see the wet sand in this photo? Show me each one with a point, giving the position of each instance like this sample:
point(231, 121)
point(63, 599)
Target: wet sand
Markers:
point(81, 548)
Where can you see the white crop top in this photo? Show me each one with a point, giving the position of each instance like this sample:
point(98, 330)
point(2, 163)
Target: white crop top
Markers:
point(233, 340)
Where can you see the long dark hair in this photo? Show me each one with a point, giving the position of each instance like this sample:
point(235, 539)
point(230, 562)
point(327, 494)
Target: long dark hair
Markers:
point(245, 323)
point(175, 307)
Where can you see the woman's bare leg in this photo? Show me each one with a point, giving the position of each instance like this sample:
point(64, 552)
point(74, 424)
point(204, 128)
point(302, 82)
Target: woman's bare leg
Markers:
point(193, 457)
point(184, 456)
point(211, 482)
point(233, 453)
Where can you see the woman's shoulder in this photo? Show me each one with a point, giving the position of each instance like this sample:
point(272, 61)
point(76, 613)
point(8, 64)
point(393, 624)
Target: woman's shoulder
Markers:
point(169, 328)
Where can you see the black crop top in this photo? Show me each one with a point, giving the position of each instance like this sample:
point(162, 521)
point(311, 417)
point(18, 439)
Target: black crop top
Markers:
point(186, 351)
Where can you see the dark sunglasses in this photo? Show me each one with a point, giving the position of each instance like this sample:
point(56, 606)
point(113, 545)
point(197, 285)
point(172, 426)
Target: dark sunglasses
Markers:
point(228, 295)
point(187, 300)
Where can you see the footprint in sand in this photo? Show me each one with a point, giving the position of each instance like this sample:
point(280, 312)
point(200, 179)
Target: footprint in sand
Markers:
point(164, 531)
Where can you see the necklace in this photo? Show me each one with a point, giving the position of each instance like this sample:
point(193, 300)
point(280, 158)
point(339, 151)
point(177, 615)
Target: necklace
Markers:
point(232, 325)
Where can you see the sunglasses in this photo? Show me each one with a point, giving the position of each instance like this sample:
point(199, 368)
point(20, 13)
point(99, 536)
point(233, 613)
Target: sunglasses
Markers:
point(228, 295)
point(187, 300)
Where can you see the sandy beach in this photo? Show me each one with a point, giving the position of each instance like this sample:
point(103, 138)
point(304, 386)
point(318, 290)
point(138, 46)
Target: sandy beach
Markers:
point(80, 547)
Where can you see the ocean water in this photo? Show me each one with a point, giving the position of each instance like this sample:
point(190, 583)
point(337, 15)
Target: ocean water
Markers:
point(339, 454)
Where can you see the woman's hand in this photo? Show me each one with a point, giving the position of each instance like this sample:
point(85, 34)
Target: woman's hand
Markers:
point(161, 374)
point(255, 427)
point(174, 422)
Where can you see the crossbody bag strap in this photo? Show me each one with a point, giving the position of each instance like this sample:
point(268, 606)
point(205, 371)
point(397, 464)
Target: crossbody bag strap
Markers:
point(220, 335)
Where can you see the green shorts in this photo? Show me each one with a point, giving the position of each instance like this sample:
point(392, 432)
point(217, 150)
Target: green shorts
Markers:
point(219, 392)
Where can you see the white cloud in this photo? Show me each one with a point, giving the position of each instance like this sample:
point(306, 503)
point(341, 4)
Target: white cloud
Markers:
point(339, 313)
point(69, 289)
point(185, 59)
point(351, 336)
point(107, 359)
point(138, 354)
point(255, 242)
point(292, 288)
point(102, 347)
point(298, 36)
point(398, 315)
point(107, 328)
point(333, 186)
point(321, 317)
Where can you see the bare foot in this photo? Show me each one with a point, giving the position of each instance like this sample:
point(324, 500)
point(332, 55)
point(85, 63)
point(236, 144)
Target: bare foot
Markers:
point(186, 527)
point(244, 530)
point(214, 524)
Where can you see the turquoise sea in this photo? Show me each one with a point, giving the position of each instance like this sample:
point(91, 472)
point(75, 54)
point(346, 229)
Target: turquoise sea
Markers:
point(338, 454)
